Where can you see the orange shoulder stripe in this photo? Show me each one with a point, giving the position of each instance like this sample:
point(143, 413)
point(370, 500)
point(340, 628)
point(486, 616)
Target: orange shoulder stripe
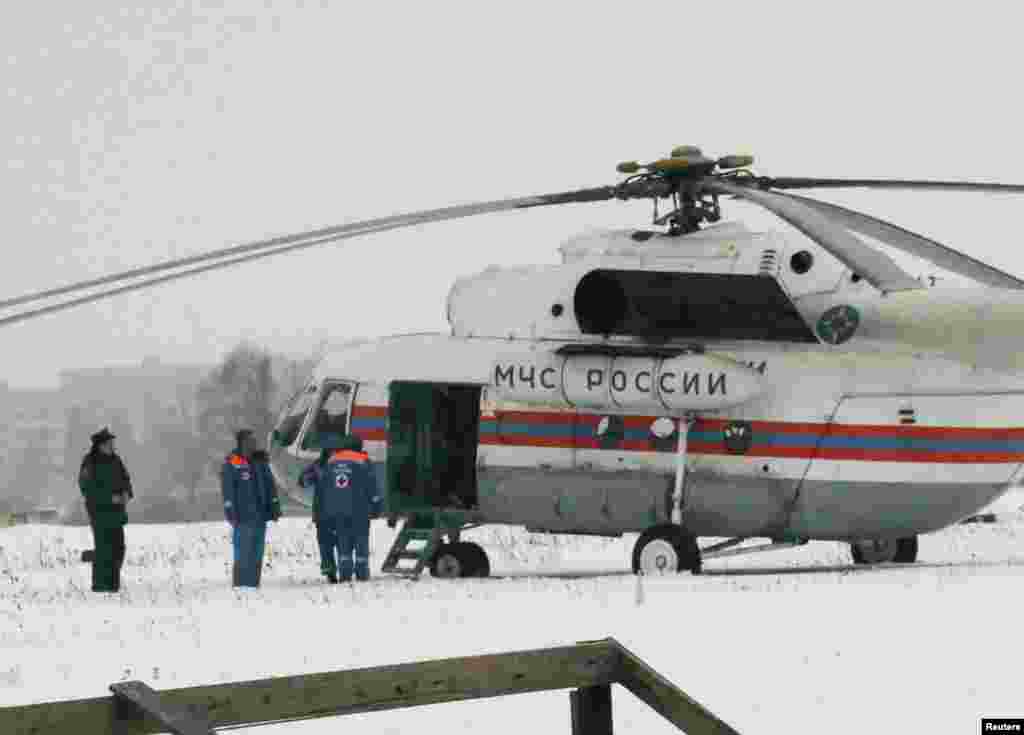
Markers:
point(347, 455)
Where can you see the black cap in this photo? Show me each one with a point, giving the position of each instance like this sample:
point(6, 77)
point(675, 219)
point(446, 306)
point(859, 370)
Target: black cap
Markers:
point(242, 434)
point(103, 436)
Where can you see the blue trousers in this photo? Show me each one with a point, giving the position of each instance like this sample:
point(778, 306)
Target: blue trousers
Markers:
point(249, 541)
point(340, 539)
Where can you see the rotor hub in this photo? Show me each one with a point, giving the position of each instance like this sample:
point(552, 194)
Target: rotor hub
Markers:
point(678, 178)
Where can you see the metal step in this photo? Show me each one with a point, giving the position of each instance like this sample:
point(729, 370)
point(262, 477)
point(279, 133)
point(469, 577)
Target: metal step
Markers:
point(400, 550)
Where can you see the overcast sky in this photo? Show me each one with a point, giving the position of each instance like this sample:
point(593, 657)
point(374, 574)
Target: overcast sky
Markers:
point(141, 134)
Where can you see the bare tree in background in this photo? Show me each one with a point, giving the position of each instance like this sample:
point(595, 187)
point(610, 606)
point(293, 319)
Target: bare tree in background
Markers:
point(242, 392)
point(293, 375)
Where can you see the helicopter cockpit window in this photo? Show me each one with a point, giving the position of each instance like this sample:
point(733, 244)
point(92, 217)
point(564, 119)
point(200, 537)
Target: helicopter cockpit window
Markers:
point(330, 422)
point(290, 422)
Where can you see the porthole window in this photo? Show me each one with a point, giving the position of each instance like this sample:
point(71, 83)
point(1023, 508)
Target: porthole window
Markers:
point(663, 427)
point(801, 262)
point(855, 278)
point(556, 310)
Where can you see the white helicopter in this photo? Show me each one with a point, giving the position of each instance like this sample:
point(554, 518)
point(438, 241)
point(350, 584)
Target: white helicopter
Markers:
point(681, 382)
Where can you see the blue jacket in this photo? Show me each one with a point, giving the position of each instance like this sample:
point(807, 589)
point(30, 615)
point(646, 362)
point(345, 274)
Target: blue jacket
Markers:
point(247, 485)
point(345, 487)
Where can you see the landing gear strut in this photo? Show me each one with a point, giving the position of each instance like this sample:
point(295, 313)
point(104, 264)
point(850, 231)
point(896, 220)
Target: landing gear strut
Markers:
point(669, 547)
point(882, 551)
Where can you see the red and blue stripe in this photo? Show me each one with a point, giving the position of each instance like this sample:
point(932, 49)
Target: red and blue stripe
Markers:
point(769, 439)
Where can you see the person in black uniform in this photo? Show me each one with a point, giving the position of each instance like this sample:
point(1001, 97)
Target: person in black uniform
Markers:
point(107, 488)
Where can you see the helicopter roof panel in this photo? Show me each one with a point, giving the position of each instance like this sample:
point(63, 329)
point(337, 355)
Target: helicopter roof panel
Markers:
point(722, 241)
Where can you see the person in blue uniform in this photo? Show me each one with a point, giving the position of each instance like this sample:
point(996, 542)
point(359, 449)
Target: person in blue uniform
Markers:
point(345, 499)
point(326, 539)
point(250, 501)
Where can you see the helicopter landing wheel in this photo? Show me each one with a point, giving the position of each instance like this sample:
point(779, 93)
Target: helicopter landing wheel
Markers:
point(449, 562)
point(479, 565)
point(459, 560)
point(666, 549)
point(884, 551)
point(906, 552)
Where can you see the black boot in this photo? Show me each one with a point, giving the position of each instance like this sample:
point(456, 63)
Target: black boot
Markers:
point(332, 577)
point(116, 582)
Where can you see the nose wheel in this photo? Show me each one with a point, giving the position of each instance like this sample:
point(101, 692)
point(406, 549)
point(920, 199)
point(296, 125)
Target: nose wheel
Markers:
point(666, 549)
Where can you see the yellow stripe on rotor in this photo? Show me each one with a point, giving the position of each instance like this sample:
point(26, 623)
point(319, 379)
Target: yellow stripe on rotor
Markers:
point(668, 165)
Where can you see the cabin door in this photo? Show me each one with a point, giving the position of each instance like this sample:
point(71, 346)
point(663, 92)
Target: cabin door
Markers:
point(433, 430)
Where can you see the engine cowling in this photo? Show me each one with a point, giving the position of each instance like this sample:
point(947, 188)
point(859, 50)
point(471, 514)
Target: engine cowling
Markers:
point(527, 302)
point(568, 302)
point(704, 287)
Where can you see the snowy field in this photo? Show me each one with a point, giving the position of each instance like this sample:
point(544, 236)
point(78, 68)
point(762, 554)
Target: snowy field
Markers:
point(790, 641)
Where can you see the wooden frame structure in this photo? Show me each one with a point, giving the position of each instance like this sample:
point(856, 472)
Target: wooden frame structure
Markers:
point(588, 668)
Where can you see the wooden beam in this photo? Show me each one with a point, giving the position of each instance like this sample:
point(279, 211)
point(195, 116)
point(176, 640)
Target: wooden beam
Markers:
point(665, 698)
point(134, 700)
point(591, 710)
point(339, 693)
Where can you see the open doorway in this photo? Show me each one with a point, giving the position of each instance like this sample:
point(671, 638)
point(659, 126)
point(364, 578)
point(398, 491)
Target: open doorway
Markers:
point(433, 431)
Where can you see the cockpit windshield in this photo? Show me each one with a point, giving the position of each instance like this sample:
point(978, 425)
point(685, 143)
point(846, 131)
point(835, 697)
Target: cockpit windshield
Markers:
point(290, 422)
point(331, 419)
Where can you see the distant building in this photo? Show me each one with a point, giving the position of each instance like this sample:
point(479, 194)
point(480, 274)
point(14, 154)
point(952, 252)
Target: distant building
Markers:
point(32, 431)
point(38, 515)
point(44, 432)
point(142, 395)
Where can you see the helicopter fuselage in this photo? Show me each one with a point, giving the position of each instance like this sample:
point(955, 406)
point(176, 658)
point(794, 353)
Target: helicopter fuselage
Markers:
point(820, 408)
point(836, 446)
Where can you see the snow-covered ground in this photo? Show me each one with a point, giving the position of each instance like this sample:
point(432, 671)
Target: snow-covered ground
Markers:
point(790, 641)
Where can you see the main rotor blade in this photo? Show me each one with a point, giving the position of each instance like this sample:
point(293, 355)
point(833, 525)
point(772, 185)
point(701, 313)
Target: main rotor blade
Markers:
point(914, 244)
point(326, 234)
point(278, 245)
point(82, 300)
point(875, 266)
point(771, 182)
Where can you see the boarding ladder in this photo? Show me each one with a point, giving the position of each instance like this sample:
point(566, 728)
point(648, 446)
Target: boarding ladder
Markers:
point(416, 530)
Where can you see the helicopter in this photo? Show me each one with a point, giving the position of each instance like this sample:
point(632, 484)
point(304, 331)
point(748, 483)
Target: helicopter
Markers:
point(690, 379)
